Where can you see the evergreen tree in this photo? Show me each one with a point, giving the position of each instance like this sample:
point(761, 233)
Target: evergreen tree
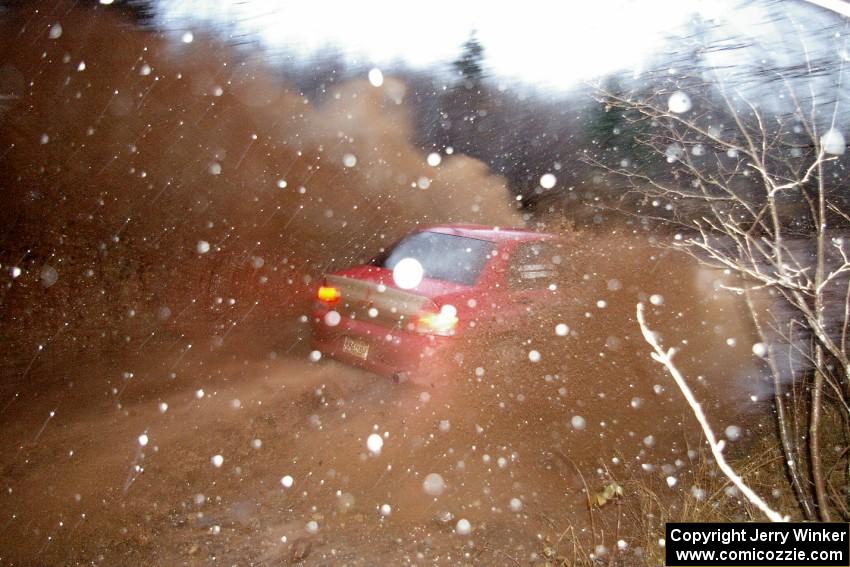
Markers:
point(611, 137)
point(470, 65)
point(464, 106)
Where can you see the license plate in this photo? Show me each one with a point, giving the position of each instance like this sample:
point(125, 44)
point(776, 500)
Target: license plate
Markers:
point(357, 348)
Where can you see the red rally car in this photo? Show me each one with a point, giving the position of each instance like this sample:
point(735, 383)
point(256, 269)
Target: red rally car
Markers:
point(405, 312)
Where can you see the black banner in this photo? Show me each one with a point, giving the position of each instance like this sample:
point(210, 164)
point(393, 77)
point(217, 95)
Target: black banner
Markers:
point(759, 544)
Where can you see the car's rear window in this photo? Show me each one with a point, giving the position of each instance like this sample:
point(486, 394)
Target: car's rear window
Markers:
point(445, 257)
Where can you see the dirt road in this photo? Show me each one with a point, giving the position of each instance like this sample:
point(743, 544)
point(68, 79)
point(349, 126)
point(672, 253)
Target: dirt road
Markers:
point(245, 452)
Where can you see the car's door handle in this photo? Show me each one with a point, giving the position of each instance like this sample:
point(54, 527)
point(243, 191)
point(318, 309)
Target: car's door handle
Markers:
point(523, 301)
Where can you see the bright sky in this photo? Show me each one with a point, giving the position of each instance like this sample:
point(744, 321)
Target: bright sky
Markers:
point(552, 44)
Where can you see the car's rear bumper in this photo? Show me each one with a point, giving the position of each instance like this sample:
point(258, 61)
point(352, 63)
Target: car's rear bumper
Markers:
point(390, 351)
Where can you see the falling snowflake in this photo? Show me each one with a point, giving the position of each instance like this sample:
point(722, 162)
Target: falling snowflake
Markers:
point(408, 273)
point(679, 102)
point(332, 318)
point(548, 180)
point(733, 433)
point(434, 485)
point(49, 275)
point(833, 142)
point(375, 443)
point(674, 152)
point(376, 77)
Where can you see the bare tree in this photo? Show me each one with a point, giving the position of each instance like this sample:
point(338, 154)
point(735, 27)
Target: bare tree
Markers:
point(757, 190)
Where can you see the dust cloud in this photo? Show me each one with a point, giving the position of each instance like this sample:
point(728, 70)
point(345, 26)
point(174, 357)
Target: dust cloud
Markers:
point(152, 176)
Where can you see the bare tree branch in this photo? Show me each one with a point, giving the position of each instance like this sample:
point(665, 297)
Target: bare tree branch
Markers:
point(665, 357)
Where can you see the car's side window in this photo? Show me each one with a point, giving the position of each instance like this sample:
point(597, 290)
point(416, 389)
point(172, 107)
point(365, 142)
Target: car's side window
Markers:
point(533, 266)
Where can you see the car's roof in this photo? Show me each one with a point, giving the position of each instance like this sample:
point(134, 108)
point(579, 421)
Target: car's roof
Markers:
point(488, 232)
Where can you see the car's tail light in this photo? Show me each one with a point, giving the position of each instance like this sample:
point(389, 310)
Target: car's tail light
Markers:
point(442, 323)
point(328, 294)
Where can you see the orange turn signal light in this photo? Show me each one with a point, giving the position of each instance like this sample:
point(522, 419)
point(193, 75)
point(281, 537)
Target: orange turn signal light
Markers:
point(328, 294)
